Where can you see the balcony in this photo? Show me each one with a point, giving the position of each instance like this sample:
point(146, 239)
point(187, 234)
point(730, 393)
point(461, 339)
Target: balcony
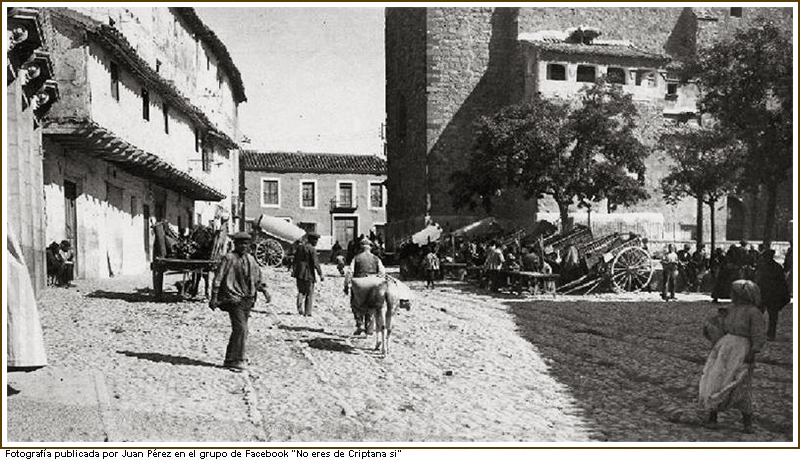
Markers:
point(343, 206)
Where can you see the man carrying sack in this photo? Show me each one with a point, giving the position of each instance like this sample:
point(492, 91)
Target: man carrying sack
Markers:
point(366, 271)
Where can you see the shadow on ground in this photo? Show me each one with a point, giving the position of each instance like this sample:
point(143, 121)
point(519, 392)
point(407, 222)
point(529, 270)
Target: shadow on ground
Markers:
point(139, 296)
point(162, 358)
point(330, 344)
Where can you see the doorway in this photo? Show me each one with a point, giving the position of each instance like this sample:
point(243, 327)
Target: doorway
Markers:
point(71, 219)
point(146, 230)
point(345, 229)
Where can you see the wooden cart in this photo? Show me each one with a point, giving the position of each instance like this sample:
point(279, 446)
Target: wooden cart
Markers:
point(161, 263)
point(272, 238)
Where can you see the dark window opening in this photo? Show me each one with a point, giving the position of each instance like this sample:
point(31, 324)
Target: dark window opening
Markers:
point(145, 104)
point(586, 74)
point(158, 65)
point(556, 72)
point(345, 195)
point(207, 157)
point(308, 227)
point(376, 195)
point(197, 138)
point(309, 199)
point(645, 78)
point(615, 75)
point(736, 12)
point(114, 81)
point(270, 192)
point(672, 91)
point(166, 118)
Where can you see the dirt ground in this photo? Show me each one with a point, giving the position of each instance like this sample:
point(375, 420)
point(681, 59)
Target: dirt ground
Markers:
point(465, 365)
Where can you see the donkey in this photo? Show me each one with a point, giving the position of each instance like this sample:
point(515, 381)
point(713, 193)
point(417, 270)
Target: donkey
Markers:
point(203, 237)
point(380, 297)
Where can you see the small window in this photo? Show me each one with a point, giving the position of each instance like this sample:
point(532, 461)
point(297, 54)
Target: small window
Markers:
point(645, 78)
point(309, 197)
point(556, 72)
point(736, 12)
point(307, 227)
point(615, 75)
point(114, 70)
point(165, 109)
point(270, 196)
point(208, 158)
point(197, 140)
point(376, 195)
point(346, 195)
point(586, 74)
point(145, 104)
point(158, 65)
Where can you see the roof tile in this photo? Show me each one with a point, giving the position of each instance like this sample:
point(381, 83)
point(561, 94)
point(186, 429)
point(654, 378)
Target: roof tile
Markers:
point(284, 162)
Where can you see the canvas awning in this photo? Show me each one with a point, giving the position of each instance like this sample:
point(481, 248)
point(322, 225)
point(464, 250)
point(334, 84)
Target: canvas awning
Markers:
point(96, 141)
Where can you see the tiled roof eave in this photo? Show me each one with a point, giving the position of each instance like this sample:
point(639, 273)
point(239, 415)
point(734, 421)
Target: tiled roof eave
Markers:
point(96, 141)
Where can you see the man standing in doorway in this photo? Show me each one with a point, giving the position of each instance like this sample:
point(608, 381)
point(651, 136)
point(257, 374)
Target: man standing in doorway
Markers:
point(234, 290)
point(306, 267)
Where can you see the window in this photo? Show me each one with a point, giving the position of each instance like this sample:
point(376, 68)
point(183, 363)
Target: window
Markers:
point(645, 78)
point(270, 192)
point(345, 195)
point(736, 12)
point(672, 91)
point(308, 227)
point(114, 70)
point(197, 140)
point(145, 104)
point(208, 158)
point(308, 194)
point(166, 118)
point(158, 65)
point(376, 195)
point(586, 74)
point(615, 75)
point(556, 72)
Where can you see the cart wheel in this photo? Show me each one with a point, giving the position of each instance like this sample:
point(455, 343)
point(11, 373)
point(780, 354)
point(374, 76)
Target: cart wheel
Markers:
point(631, 270)
point(268, 252)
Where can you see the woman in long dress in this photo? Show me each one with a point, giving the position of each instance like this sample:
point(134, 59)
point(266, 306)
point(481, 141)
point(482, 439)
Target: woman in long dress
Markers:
point(727, 375)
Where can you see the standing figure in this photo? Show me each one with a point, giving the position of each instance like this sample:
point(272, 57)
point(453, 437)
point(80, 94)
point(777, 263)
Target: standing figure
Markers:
point(684, 267)
point(66, 274)
point(306, 267)
point(493, 265)
point(236, 283)
point(431, 265)
point(362, 274)
point(774, 291)
point(727, 374)
point(669, 268)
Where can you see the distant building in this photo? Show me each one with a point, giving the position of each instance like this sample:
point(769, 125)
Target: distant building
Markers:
point(146, 129)
point(339, 196)
point(30, 93)
point(445, 67)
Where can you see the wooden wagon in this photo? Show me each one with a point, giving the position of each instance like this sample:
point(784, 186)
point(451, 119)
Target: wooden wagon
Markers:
point(162, 264)
point(617, 260)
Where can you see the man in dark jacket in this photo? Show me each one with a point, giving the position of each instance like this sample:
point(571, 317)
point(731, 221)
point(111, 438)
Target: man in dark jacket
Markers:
point(236, 283)
point(306, 267)
point(774, 291)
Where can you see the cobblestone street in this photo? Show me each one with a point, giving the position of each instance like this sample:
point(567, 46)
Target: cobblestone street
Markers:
point(465, 366)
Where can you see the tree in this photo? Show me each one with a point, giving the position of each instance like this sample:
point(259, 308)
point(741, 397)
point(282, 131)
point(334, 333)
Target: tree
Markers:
point(747, 85)
point(585, 152)
point(708, 164)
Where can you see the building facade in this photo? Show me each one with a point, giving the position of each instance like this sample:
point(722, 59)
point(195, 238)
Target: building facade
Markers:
point(30, 93)
point(447, 66)
point(146, 130)
point(338, 196)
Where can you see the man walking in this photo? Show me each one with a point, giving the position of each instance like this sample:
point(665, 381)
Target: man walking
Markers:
point(306, 267)
point(364, 265)
point(234, 290)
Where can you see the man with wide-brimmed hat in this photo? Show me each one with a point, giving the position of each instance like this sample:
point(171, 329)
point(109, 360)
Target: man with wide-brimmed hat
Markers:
point(236, 283)
point(364, 264)
point(305, 269)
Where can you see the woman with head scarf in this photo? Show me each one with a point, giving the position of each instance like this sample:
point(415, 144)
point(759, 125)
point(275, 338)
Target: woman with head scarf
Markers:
point(727, 375)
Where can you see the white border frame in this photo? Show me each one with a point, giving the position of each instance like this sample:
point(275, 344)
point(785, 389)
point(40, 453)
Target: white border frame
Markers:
point(316, 193)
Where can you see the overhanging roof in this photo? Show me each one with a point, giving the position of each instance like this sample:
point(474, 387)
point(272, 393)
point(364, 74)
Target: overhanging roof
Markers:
point(599, 51)
point(90, 138)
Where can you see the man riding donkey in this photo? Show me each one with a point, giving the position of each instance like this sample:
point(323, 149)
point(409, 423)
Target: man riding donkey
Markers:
point(373, 298)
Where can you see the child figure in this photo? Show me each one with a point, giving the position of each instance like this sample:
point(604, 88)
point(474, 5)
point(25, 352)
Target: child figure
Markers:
point(431, 266)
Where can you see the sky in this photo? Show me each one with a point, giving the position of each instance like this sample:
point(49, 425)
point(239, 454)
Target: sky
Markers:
point(314, 77)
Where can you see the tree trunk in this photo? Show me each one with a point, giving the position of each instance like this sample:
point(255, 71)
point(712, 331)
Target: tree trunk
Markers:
point(699, 222)
point(769, 225)
point(711, 205)
point(563, 212)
